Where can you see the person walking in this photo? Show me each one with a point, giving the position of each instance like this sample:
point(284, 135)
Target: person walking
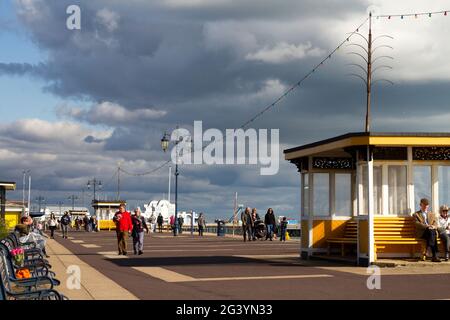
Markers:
point(91, 224)
point(65, 223)
point(52, 224)
point(139, 226)
point(247, 224)
point(86, 224)
point(270, 222)
point(124, 227)
point(283, 229)
point(180, 224)
point(160, 222)
point(172, 223)
point(94, 223)
point(201, 224)
point(255, 217)
point(152, 221)
point(77, 223)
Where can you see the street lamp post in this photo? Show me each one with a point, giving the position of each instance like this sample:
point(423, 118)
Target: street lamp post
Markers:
point(94, 183)
point(40, 200)
point(60, 203)
point(25, 172)
point(73, 198)
point(165, 145)
point(82, 197)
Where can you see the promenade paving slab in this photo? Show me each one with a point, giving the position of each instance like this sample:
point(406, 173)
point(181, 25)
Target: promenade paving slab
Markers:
point(193, 268)
point(171, 276)
point(93, 285)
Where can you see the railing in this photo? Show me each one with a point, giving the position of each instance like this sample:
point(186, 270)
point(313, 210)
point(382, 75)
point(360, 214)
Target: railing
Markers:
point(293, 230)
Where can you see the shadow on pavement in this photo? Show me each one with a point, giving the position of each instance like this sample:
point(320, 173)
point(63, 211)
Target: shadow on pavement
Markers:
point(216, 260)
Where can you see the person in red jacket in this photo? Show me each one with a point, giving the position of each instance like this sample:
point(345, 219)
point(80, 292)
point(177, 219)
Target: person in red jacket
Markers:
point(124, 226)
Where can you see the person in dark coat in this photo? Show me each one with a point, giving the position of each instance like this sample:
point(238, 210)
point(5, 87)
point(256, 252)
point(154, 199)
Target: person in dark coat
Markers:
point(160, 222)
point(247, 224)
point(270, 222)
point(180, 224)
point(139, 225)
point(255, 217)
point(283, 229)
point(201, 224)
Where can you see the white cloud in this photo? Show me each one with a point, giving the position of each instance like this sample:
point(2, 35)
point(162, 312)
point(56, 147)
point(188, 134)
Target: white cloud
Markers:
point(109, 19)
point(110, 114)
point(229, 35)
point(285, 52)
point(420, 45)
point(41, 131)
point(194, 3)
point(30, 9)
point(272, 89)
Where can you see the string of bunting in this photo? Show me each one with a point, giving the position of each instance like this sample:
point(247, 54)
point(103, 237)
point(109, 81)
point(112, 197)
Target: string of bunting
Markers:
point(145, 173)
point(276, 101)
point(106, 184)
point(321, 63)
point(415, 15)
point(306, 76)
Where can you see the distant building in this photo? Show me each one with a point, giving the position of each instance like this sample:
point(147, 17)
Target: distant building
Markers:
point(105, 209)
point(59, 211)
point(13, 211)
point(5, 186)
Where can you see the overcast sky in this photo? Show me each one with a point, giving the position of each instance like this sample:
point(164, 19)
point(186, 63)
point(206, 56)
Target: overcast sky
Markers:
point(75, 102)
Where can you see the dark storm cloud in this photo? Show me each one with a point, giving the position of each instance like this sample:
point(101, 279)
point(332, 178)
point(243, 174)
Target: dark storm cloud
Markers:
point(16, 68)
point(211, 61)
point(91, 139)
point(157, 54)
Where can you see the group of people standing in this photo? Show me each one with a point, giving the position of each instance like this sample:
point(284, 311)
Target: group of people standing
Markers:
point(250, 218)
point(431, 227)
point(90, 224)
point(180, 222)
point(136, 226)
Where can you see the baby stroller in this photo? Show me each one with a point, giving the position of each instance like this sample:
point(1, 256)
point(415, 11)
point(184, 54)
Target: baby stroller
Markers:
point(259, 230)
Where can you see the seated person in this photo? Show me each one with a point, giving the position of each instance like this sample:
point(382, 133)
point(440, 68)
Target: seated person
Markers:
point(28, 233)
point(426, 228)
point(444, 229)
point(23, 228)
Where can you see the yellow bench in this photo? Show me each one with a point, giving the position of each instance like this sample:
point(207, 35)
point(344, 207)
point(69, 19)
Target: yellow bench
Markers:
point(106, 225)
point(350, 237)
point(396, 231)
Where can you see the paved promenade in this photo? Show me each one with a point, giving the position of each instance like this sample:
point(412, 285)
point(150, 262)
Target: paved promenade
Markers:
point(192, 268)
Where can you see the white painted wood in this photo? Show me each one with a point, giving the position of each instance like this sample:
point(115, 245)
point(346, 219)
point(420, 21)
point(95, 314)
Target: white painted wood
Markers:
point(410, 181)
point(384, 190)
point(311, 210)
point(435, 188)
point(370, 204)
point(358, 193)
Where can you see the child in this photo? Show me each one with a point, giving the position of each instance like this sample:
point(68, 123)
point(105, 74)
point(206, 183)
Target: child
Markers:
point(283, 228)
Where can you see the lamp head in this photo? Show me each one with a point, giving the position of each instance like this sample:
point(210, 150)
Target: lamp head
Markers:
point(165, 142)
